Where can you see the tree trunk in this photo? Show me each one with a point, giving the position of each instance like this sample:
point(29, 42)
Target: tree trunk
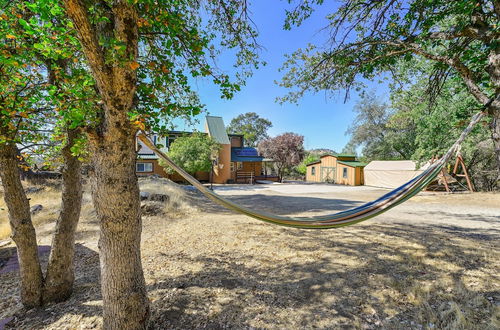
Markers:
point(494, 108)
point(23, 232)
point(60, 270)
point(115, 190)
point(495, 135)
point(115, 193)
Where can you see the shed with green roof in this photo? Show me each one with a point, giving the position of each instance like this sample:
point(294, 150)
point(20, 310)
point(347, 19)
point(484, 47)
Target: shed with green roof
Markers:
point(336, 168)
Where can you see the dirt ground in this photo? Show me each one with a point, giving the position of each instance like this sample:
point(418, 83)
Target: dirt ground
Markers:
point(430, 263)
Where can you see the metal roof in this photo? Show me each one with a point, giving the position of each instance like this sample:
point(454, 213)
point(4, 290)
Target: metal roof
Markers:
point(246, 154)
point(217, 130)
point(339, 155)
point(146, 156)
point(312, 163)
point(352, 164)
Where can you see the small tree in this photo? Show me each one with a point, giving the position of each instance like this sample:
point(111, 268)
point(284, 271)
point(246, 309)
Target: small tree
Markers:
point(287, 150)
point(309, 158)
point(193, 153)
point(253, 128)
point(43, 89)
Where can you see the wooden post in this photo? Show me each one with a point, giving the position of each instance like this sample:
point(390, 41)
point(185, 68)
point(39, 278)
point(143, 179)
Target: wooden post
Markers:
point(445, 180)
point(460, 161)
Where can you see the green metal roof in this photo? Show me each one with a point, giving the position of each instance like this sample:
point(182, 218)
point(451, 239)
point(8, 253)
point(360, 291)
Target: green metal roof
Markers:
point(340, 155)
point(217, 130)
point(312, 163)
point(352, 164)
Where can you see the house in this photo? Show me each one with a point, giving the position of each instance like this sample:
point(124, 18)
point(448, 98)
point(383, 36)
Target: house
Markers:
point(341, 169)
point(234, 162)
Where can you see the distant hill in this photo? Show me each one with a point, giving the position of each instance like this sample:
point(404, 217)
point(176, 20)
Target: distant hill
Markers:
point(321, 152)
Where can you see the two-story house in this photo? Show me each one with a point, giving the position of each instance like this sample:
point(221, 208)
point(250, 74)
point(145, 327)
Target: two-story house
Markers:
point(235, 163)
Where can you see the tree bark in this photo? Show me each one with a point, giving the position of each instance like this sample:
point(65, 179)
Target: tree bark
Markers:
point(494, 108)
point(115, 193)
point(115, 189)
point(23, 232)
point(60, 270)
point(495, 134)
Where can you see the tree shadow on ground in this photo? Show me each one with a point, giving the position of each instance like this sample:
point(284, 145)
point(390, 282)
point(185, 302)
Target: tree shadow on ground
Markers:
point(365, 276)
point(277, 204)
point(402, 276)
point(86, 291)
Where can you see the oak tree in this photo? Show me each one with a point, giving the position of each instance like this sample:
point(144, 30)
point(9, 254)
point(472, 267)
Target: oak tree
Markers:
point(143, 55)
point(40, 91)
point(251, 126)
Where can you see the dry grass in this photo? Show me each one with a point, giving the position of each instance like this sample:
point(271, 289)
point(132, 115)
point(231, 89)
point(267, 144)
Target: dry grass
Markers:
point(4, 227)
point(178, 204)
point(209, 268)
point(49, 198)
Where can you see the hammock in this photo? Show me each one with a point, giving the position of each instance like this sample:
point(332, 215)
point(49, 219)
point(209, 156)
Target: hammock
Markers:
point(339, 219)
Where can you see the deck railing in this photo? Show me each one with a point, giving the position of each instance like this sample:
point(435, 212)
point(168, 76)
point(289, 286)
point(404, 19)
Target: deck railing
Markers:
point(245, 176)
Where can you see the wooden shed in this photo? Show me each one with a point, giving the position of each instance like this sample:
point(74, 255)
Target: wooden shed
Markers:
point(341, 169)
point(350, 173)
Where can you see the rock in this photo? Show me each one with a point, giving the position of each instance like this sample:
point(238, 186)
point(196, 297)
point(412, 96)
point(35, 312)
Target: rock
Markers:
point(152, 209)
point(32, 190)
point(159, 198)
point(144, 195)
point(36, 208)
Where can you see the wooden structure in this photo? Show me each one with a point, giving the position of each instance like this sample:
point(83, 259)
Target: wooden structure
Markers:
point(341, 169)
point(451, 181)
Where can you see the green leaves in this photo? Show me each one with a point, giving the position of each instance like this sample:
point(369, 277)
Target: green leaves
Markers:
point(368, 38)
point(251, 126)
point(193, 152)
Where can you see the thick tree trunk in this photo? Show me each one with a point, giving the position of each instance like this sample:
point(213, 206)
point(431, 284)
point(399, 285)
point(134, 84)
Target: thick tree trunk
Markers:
point(115, 192)
point(23, 232)
point(60, 270)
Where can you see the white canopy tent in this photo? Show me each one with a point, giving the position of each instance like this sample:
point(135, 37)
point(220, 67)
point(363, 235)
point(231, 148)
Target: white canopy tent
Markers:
point(390, 173)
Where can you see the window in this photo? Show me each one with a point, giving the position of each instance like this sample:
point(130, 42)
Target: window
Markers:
point(144, 167)
point(239, 165)
point(344, 172)
point(313, 170)
point(232, 167)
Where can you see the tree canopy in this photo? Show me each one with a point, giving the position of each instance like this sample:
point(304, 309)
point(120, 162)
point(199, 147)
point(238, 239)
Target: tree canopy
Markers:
point(286, 150)
point(373, 130)
point(251, 126)
point(369, 38)
point(193, 153)
point(137, 61)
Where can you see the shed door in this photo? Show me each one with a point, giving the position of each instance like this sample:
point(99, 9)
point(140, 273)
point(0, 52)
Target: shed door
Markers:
point(327, 174)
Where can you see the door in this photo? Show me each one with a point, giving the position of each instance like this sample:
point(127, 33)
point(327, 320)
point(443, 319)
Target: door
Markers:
point(327, 174)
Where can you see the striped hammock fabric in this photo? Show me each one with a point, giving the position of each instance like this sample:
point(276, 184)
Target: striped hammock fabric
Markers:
point(339, 219)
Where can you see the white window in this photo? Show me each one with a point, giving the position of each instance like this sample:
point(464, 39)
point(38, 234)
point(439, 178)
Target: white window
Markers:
point(239, 165)
point(232, 167)
point(344, 172)
point(144, 167)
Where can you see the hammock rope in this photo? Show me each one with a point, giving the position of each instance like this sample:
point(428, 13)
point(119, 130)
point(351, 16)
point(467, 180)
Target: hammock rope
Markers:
point(338, 219)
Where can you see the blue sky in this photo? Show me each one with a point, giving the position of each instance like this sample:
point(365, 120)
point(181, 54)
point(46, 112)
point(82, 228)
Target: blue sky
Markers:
point(321, 119)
